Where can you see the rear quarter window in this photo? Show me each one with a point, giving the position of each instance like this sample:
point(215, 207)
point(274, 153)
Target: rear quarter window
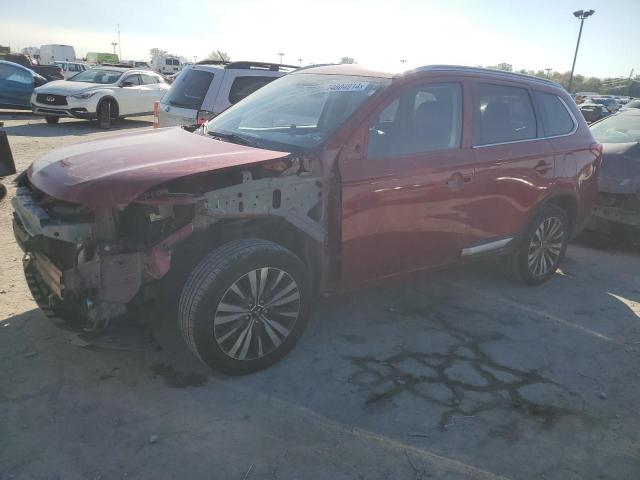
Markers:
point(556, 119)
point(245, 86)
point(189, 89)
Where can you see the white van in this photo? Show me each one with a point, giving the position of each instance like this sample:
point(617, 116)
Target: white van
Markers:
point(166, 64)
point(205, 89)
point(56, 53)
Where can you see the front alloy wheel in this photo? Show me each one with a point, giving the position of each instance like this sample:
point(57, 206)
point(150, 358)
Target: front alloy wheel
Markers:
point(244, 305)
point(257, 313)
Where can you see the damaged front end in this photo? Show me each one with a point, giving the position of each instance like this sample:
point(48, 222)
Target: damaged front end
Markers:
point(95, 261)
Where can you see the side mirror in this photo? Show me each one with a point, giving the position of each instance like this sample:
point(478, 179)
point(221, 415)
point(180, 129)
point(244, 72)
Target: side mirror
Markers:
point(39, 81)
point(126, 84)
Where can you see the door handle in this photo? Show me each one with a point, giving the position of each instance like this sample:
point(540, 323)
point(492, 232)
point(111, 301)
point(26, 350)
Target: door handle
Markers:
point(543, 167)
point(457, 180)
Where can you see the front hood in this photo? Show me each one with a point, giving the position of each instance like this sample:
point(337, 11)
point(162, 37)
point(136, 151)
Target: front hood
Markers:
point(65, 87)
point(113, 171)
point(620, 171)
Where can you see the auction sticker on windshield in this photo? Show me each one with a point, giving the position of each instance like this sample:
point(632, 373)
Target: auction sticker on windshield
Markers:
point(347, 87)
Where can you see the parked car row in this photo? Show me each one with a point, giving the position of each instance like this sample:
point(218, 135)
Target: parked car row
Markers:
point(324, 180)
point(595, 107)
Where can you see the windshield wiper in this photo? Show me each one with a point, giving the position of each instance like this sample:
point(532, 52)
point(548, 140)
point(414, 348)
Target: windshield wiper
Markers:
point(232, 137)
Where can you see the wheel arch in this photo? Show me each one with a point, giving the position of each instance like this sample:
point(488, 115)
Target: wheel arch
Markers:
point(278, 230)
point(567, 201)
point(112, 99)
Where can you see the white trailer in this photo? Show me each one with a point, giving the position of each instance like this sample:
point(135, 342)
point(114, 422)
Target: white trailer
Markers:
point(57, 53)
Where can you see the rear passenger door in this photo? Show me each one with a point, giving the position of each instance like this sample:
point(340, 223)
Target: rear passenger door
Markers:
point(514, 163)
point(150, 90)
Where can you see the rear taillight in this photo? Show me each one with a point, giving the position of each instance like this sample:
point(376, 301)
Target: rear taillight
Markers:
point(204, 116)
point(596, 149)
point(60, 71)
point(156, 105)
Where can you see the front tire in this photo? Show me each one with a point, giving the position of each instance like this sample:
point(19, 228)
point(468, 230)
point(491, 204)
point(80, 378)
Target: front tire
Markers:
point(244, 306)
point(52, 120)
point(542, 247)
point(106, 113)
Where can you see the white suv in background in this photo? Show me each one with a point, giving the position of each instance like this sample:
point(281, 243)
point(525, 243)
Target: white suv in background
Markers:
point(105, 93)
point(203, 90)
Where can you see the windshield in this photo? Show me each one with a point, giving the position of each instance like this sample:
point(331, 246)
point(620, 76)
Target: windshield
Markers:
point(617, 129)
point(297, 112)
point(97, 76)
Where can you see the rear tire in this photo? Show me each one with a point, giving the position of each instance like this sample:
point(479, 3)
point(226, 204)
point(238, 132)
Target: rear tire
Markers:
point(52, 120)
point(542, 247)
point(244, 306)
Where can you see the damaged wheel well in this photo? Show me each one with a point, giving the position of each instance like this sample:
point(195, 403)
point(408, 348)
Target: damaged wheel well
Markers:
point(188, 253)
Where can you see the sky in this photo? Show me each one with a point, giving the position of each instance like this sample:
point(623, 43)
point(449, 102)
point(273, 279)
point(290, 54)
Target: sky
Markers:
point(534, 34)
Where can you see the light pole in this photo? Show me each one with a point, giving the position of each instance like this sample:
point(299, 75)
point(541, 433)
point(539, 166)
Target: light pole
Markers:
point(299, 60)
point(113, 44)
point(549, 70)
point(581, 14)
point(119, 44)
point(281, 55)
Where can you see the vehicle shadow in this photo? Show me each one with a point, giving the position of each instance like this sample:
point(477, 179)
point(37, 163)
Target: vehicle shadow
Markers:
point(72, 127)
point(17, 115)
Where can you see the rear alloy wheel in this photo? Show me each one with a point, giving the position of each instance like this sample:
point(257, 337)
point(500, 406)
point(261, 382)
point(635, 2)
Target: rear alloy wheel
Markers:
point(52, 120)
point(244, 306)
point(542, 247)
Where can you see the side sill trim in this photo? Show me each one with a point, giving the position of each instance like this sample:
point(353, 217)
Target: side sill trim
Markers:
point(485, 247)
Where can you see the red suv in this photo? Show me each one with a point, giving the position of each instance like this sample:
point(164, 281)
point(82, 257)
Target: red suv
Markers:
point(322, 181)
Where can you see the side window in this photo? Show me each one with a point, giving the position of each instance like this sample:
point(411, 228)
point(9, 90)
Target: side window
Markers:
point(425, 119)
point(245, 86)
point(5, 71)
point(556, 119)
point(503, 114)
point(148, 79)
point(134, 79)
point(13, 74)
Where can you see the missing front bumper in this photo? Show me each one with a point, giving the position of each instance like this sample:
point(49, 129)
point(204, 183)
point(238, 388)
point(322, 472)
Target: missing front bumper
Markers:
point(617, 215)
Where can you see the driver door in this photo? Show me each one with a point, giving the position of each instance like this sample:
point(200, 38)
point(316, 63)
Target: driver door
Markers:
point(131, 98)
point(405, 195)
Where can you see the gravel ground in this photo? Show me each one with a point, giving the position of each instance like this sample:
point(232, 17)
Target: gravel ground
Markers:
point(455, 375)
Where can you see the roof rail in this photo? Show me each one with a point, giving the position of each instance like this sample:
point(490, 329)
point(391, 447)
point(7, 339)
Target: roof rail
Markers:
point(119, 65)
point(248, 65)
point(213, 62)
point(461, 68)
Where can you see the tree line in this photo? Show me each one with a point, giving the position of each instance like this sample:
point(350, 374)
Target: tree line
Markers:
point(581, 83)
